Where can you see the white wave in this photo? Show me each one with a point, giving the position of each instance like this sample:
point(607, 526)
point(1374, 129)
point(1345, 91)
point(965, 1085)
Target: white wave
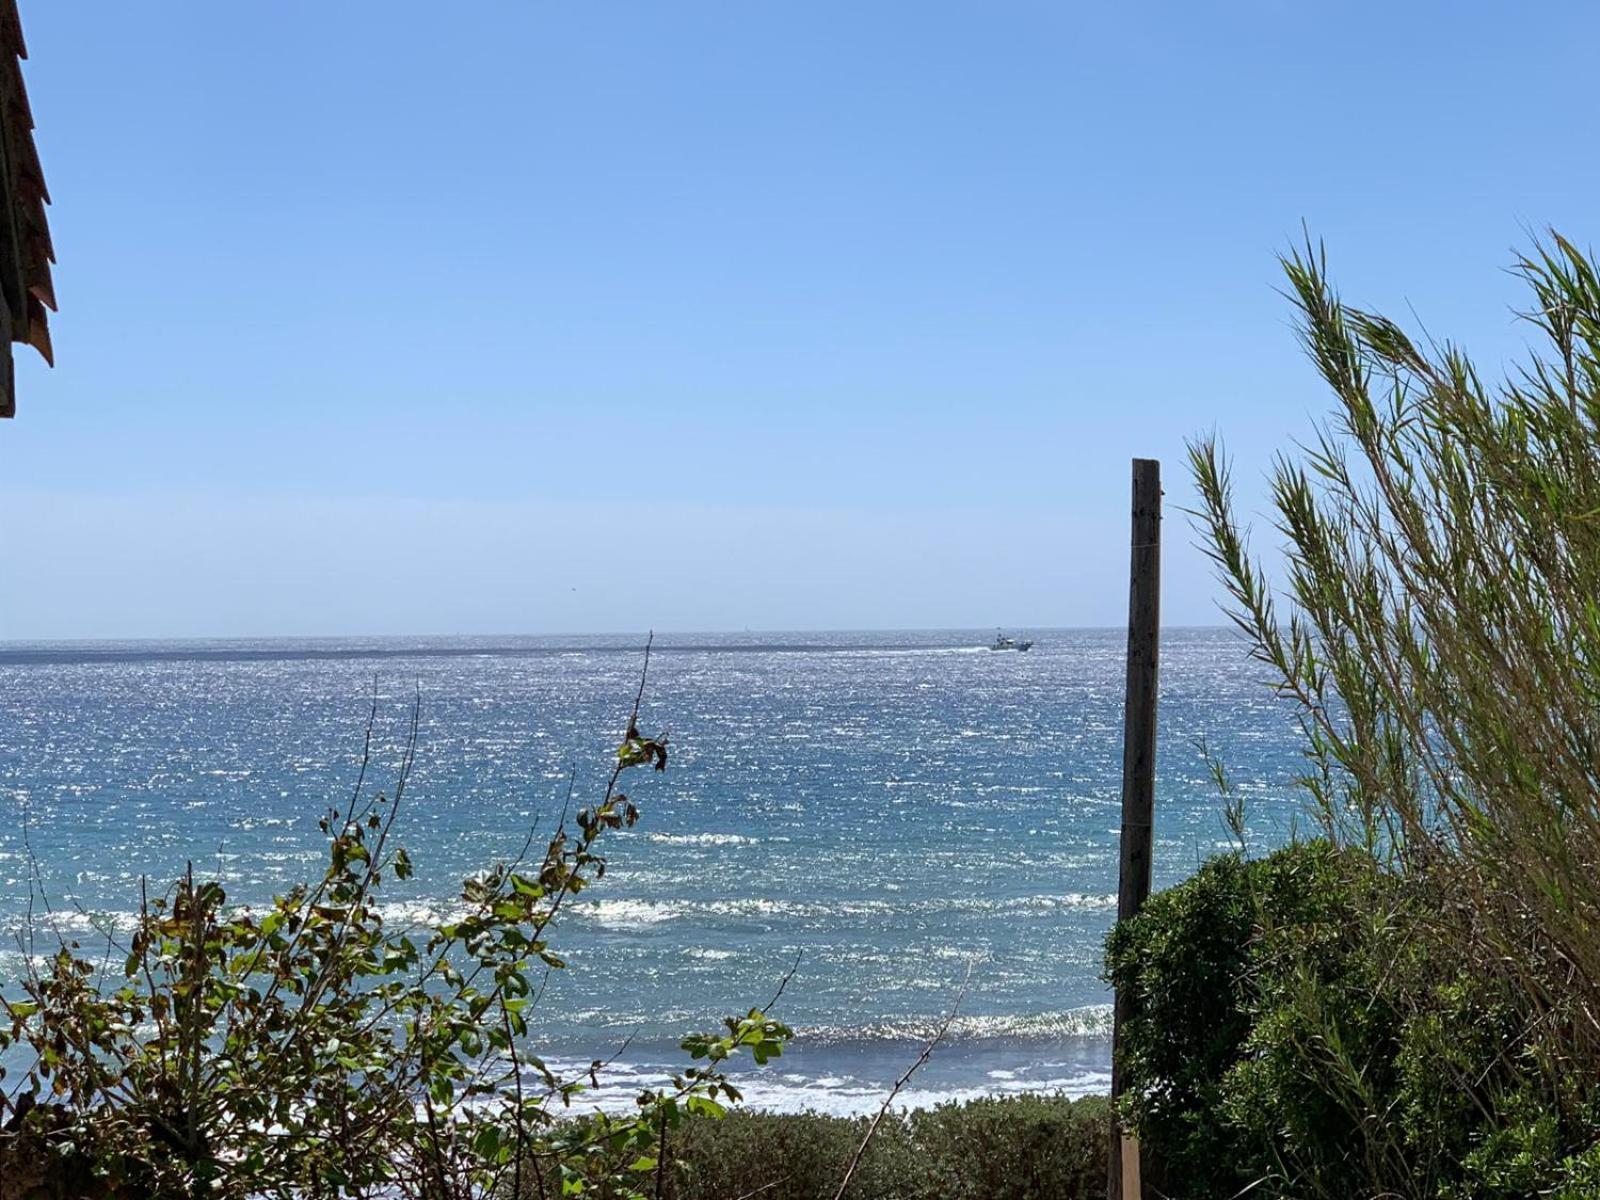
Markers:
point(842, 1095)
point(702, 839)
point(1091, 1021)
point(628, 914)
point(1074, 901)
point(636, 914)
point(421, 912)
point(69, 923)
point(632, 913)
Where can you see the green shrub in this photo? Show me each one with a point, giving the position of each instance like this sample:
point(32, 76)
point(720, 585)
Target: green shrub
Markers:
point(1195, 965)
point(806, 1154)
point(1012, 1148)
point(1438, 632)
point(1016, 1148)
point(1295, 1035)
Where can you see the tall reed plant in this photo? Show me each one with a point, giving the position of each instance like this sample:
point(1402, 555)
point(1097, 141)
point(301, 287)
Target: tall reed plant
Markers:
point(1436, 621)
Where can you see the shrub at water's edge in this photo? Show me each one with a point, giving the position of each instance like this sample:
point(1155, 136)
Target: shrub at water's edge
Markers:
point(1015, 1148)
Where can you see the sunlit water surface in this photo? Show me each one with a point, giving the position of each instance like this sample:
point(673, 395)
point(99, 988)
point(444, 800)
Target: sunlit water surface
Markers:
point(888, 807)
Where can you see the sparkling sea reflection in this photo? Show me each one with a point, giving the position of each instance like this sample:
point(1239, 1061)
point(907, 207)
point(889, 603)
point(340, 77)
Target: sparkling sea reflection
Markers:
point(890, 807)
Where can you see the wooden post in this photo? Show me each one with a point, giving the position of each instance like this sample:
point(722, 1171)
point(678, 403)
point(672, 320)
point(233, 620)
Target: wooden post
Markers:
point(1138, 774)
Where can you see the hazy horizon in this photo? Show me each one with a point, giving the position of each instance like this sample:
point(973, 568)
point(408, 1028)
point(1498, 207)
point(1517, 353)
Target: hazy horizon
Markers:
point(380, 319)
point(620, 635)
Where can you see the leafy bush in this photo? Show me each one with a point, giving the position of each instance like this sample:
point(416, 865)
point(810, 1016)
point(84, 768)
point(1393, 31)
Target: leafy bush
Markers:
point(1442, 633)
point(1295, 1037)
point(1423, 1019)
point(802, 1156)
point(1192, 962)
point(1016, 1148)
point(311, 1050)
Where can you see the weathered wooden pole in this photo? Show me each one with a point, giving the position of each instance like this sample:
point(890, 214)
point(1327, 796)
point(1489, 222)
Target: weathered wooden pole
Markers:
point(1138, 775)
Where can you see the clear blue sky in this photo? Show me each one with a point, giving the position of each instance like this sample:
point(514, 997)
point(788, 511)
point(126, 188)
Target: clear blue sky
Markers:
point(526, 317)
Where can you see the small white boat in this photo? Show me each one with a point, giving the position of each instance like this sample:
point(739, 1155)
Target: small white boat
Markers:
point(1001, 642)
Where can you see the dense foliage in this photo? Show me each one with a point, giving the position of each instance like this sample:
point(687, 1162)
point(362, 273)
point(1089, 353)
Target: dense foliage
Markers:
point(311, 1049)
point(1414, 1010)
point(1295, 1038)
point(1187, 963)
point(1017, 1148)
point(1442, 636)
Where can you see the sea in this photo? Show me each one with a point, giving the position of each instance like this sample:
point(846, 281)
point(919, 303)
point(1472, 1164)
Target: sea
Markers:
point(903, 823)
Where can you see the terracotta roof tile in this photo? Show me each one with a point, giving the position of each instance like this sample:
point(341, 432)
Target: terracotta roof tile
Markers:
point(26, 251)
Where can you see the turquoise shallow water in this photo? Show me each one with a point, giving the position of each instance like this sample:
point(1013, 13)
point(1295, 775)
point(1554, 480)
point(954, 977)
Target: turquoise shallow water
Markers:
point(890, 807)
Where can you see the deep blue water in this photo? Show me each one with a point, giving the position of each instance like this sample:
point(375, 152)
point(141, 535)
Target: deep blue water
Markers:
point(888, 806)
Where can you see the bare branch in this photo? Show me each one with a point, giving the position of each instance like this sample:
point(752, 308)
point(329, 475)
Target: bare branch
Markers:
point(899, 1085)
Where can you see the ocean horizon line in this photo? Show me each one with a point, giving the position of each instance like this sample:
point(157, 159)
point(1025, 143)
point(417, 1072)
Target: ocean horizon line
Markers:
point(641, 634)
point(288, 647)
